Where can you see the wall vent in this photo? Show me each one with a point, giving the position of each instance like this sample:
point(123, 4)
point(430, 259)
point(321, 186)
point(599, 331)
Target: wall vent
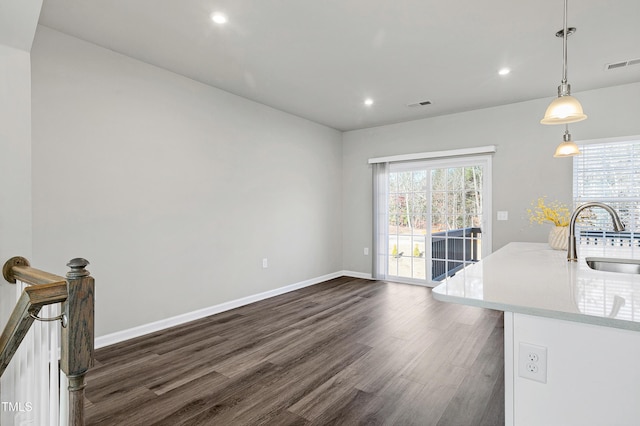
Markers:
point(622, 64)
point(418, 104)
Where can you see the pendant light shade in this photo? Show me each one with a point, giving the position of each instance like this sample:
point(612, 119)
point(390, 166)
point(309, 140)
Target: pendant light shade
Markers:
point(567, 147)
point(565, 108)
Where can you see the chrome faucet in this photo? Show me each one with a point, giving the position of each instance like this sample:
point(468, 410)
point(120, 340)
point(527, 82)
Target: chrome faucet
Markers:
point(572, 255)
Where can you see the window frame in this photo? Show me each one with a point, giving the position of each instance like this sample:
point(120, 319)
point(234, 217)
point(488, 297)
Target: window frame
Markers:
point(591, 236)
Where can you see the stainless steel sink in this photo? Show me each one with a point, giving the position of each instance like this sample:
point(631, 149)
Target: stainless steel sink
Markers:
point(610, 264)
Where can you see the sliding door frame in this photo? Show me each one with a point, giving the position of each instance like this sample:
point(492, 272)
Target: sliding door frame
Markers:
point(381, 197)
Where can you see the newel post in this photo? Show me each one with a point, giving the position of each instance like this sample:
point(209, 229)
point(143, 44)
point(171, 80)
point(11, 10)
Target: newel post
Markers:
point(77, 337)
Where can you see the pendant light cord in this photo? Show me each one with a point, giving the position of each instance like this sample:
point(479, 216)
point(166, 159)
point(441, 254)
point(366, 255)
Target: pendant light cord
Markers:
point(564, 45)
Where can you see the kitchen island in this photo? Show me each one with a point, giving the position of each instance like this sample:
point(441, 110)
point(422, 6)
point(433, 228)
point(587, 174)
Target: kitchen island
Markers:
point(572, 334)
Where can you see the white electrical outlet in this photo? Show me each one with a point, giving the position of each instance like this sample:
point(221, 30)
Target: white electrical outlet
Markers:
point(265, 263)
point(366, 251)
point(532, 362)
point(503, 215)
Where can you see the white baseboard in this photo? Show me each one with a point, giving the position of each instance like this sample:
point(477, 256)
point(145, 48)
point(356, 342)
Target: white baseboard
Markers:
point(120, 336)
point(356, 275)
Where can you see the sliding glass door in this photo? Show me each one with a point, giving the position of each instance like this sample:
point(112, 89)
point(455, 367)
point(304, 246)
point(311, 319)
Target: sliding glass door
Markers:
point(436, 218)
point(408, 217)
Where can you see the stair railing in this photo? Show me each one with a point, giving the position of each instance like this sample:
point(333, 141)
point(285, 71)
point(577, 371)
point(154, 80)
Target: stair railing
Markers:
point(76, 294)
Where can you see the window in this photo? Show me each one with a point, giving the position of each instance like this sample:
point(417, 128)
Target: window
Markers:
point(431, 217)
point(608, 172)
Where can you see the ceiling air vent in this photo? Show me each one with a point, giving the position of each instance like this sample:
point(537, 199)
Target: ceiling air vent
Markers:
point(622, 64)
point(419, 104)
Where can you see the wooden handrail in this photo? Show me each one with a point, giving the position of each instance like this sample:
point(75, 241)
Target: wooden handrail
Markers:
point(31, 301)
point(77, 335)
point(18, 268)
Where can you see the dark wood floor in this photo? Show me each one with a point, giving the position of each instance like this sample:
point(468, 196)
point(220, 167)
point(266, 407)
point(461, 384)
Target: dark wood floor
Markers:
point(347, 351)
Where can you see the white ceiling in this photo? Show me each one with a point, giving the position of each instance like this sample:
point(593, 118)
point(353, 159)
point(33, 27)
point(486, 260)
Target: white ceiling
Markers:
point(320, 59)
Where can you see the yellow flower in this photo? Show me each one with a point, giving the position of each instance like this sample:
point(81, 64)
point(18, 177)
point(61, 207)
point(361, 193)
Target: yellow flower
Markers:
point(554, 212)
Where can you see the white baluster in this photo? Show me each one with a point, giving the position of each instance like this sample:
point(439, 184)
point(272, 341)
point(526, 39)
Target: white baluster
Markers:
point(54, 371)
point(31, 383)
point(39, 392)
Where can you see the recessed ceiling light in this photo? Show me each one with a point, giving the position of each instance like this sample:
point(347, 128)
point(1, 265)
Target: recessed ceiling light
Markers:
point(368, 102)
point(219, 18)
point(504, 71)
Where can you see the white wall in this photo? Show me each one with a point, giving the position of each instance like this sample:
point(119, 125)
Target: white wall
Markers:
point(15, 164)
point(523, 167)
point(173, 190)
point(17, 25)
point(18, 20)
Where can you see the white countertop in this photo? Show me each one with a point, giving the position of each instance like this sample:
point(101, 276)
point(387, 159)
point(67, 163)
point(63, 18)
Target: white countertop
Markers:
point(531, 278)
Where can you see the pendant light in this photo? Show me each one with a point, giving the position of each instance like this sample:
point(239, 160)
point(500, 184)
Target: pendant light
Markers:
point(567, 147)
point(565, 108)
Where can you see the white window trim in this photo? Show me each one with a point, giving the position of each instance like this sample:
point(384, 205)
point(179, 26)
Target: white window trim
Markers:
point(608, 140)
point(489, 149)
